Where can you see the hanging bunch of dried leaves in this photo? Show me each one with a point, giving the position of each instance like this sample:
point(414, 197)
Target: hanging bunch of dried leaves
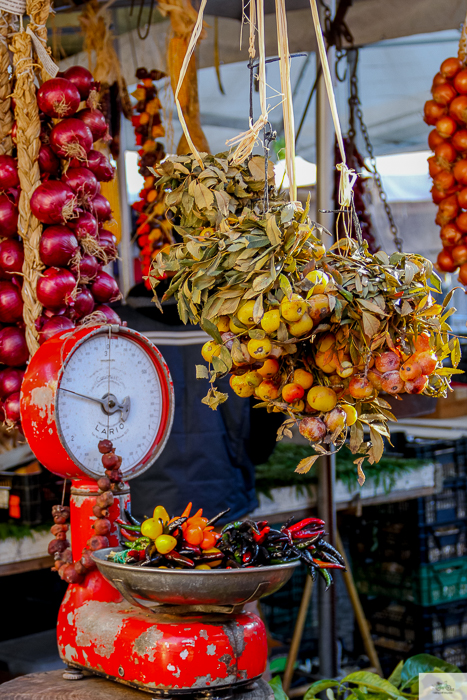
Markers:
point(315, 335)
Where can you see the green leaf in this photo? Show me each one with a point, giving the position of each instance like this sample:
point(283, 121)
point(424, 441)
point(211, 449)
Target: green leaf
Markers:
point(318, 687)
point(395, 677)
point(423, 663)
point(202, 372)
point(435, 282)
point(285, 286)
point(277, 689)
point(211, 329)
point(219, 365)
point(372, 682)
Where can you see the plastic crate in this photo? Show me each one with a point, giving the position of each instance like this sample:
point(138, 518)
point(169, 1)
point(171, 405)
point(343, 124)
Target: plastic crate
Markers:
point(444, 507)
point(450, 454)
point(430, 584)
point(32, 495)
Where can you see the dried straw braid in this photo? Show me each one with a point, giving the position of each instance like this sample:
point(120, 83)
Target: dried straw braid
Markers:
point(28, 144)
point(38, 11)
point(7, 25)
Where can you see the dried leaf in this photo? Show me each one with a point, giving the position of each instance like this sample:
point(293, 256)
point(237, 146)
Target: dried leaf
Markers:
point(370, 324)
point(223, 201)
point(305, 465)
point(258, 310)
point(360, 472)
point(203, 196)
point(202, 372)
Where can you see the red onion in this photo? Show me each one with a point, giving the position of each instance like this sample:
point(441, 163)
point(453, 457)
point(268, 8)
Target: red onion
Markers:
point(48, 313)
point(98, 164)
point(10, 381)
point(108, 243)
point(11, 407)
point(84, 225)
point(82, 181)
point(81, 78)
point(48, 161)
point(8, 172)
point(84, 304)
point(57, 246)
point(58, 97)
point(95, 120)
point(71, 138)
point(14, 132)
point(8, 217)
point(13, 349)
point(13, 193)
point(55, 288)
point(11, 303)
point(86, 268)
point(104, 288)
point(11, 257)
point(100, 207)
point(54, 325)
point(109, 314)
point(53, 202)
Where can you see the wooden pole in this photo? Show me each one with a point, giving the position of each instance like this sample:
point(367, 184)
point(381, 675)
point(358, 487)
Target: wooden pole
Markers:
point(297, 634)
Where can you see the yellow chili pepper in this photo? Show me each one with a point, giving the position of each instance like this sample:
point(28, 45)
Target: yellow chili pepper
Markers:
point(165, 544)
point(151, 528)
point(160, 512)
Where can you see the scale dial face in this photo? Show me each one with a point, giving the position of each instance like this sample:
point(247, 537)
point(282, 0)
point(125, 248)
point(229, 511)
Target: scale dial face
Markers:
point(115, 386)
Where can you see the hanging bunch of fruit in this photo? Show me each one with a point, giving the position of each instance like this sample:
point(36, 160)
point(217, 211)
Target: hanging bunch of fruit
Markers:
point(447, 113)
point(154, 229)
point(315, 335)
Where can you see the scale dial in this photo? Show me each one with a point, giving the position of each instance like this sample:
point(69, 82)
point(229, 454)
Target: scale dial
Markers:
point(110, 382)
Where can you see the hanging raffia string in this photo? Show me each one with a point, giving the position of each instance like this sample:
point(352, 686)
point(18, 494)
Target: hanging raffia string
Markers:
point(287, 103)
point(348, 177)
point(246, 140)
point(7, 26)
point(462, 53)
point(28, 144)
point(38, 11)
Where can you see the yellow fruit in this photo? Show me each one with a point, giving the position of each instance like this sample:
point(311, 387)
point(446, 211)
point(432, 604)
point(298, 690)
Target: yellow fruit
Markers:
point(294, 309)
point(253, 379)
point(269, 369)
point(319, 280)
point(318, 251)
point(234, 328)
point(318, 307)
point(241, 387)
point(298, 406)
point(345, 370)
point(203, 567)
point(267, 391)
point(223, 324)
point(304, 325)
point(210, 349)
point(325, 362)
point(350, 412)
point(245, 313)
point(322, 398)
point(271, 321)
point(304, 378)
point(259, 349)
point(326, 342)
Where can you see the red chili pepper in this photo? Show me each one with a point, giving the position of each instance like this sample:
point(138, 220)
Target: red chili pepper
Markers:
point(246, 557)
point(327, 565)
point(259, 539)
point(304, 523)
point(129, 536)
point(305, 534)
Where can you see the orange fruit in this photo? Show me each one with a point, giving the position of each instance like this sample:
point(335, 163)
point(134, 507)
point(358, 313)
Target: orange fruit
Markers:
point(427, 361)
point(416, 386)
point(387, 362)
point(392, 382)
point(292, 392)
point(360, 387)
point(267, 391)
point(410, 369)
point(375, 378)
point(302, 377)
point(318, 307)
point(422, 342)
point(269, 369)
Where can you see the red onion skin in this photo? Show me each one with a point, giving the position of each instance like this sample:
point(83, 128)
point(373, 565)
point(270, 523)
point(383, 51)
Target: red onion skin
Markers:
point(11, 407)
point(48, 313)
point(100, 207)
point(105, 289)
point(82, 181)
point(54, 325)
point(11, 303)
point(49, 200)
point(81, 78)
point(84, 225)
point(11, 258)
point(55, 288)
point(14, 132)
point(58, 98)
point(84, 304)
point(95, 120)
point(13, 193)
point(98, 164)
point(13, 349)
point(10, 381)
point(58, 245)
point(109, 313)
point(8, 173)
point(108, 243)
point(71, 135)
point(49, 164)
point(8, 217)
point(86, 269)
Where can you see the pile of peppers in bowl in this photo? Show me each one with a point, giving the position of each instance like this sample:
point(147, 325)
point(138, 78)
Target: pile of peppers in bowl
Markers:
point(190, 542)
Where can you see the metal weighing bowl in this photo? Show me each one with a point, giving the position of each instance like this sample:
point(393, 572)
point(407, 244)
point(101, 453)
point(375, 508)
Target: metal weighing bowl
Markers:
point(218, 587)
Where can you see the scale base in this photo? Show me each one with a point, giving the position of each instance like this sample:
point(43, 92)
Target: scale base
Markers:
point(165, 654)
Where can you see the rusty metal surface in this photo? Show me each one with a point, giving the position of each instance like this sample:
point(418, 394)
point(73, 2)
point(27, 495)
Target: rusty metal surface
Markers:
point(177, 587)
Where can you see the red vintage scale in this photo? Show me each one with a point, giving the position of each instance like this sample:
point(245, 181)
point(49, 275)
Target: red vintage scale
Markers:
point(167, 632)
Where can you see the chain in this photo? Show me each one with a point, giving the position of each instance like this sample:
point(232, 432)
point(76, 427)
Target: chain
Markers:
point(356, 111)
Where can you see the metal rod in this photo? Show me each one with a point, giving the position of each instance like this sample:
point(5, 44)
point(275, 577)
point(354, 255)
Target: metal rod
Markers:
point(297, 634)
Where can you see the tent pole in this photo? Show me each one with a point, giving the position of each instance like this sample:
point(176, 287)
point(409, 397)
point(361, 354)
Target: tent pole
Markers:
point(325, 160)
